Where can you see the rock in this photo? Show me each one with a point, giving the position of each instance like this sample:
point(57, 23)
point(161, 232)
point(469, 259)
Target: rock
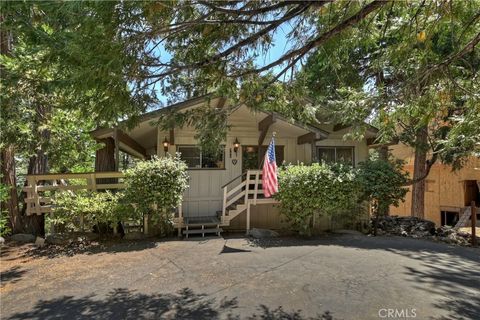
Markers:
point(2, 240)
point(262, 233)
point(59, 239)
point(23, 237)
point(421, 229)
point(134, 236)
point(40, 242)
point(90, 236)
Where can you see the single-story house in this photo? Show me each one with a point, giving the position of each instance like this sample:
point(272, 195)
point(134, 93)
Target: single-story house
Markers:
point(225, 191)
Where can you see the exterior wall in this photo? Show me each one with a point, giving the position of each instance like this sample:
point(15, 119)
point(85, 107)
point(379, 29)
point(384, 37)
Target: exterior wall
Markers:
point(205, 195)
point(445, 189)
point(265, 216)
point(268, 216)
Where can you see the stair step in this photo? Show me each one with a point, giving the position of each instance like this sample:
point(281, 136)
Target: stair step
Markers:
point(203, 231)
point(202, 221)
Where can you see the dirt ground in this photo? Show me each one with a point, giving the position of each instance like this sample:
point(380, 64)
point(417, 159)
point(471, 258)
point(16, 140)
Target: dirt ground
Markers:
point(333, 277)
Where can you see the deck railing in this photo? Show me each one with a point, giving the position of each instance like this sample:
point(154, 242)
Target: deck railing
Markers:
point(39, 184)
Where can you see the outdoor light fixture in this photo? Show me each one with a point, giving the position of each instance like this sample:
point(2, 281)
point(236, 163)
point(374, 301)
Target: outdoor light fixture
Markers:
point(165, 145)
point(236, 145)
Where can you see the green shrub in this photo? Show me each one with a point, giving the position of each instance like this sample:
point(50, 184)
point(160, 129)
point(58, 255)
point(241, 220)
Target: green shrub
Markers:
point(94, 208)
point(309, 191)
point(382, 183)
point(156, 186)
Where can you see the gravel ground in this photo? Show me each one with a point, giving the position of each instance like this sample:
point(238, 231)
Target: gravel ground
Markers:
point(334, 277)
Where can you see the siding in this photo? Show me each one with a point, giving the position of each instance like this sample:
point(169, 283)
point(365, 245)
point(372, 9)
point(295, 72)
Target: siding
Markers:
point(445, 189)
point(205, 195)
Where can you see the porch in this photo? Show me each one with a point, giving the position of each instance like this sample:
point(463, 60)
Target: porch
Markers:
point(239, 195)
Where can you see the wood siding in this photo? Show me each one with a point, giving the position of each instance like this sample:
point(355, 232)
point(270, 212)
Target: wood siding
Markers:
point(445, 189)
point(204, 196)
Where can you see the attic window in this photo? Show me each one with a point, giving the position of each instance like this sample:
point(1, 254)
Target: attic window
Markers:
point(196, 159)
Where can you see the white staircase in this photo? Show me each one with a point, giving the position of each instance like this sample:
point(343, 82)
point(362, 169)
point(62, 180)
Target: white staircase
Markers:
point(239, 194)
point(247, 192)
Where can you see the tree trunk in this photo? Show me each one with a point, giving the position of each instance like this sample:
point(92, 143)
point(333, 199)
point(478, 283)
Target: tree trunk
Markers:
point(382, 210)
point(105, 160)
point(105, 157)
point(7, 155)
point(38, 164)
point(9, 179)
point(419, 171)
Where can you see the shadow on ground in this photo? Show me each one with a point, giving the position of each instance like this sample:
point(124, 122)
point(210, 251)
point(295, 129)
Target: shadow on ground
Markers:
point(91, 247)
point(449, 271)
point(457, 280)
point(11, 275)
point(125, 304)
point(399, 245)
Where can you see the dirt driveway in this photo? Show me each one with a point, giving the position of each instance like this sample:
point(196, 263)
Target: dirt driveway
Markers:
point(336, 277)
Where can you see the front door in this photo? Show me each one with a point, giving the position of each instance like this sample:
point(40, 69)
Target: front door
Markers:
point(252, 156)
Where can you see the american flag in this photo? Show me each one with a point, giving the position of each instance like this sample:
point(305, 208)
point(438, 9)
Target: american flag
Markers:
point(269, 174)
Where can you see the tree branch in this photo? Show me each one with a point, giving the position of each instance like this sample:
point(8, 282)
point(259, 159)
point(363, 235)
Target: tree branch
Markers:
point(238, 12)
point(362, 13)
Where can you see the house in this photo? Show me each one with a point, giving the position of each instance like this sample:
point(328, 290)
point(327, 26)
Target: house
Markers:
point(448, 193)
point(225, 191)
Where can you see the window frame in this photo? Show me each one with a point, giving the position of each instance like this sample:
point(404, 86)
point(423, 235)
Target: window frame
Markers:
point(335, 149)
point(178, 146)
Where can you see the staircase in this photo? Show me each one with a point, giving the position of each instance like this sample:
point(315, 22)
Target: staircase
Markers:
point(202, 225)
point(242, 196)
point(464, 220)
point(239, 194)
point(238, 198)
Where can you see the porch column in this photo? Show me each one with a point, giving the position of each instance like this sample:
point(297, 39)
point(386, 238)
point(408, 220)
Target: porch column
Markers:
point(313, 144)
point(117, 150)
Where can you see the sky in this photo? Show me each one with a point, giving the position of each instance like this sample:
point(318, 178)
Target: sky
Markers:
point(280, 46)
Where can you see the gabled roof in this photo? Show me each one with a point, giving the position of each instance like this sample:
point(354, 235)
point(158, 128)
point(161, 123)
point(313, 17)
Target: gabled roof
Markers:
point(196, 101)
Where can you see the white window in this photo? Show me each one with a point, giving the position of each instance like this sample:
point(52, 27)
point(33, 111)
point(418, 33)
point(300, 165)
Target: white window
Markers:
point(196, 159)
point(337, 154)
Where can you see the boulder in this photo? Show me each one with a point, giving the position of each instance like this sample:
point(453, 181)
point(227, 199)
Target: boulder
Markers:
point(2, 240)
point(23, 237)
point(86, 237)
point(262, 233)
point(40, 242)
point(59, 239)
point(134, 236)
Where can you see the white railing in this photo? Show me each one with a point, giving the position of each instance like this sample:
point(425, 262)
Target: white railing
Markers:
point(37, 184)
point(243, 189)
